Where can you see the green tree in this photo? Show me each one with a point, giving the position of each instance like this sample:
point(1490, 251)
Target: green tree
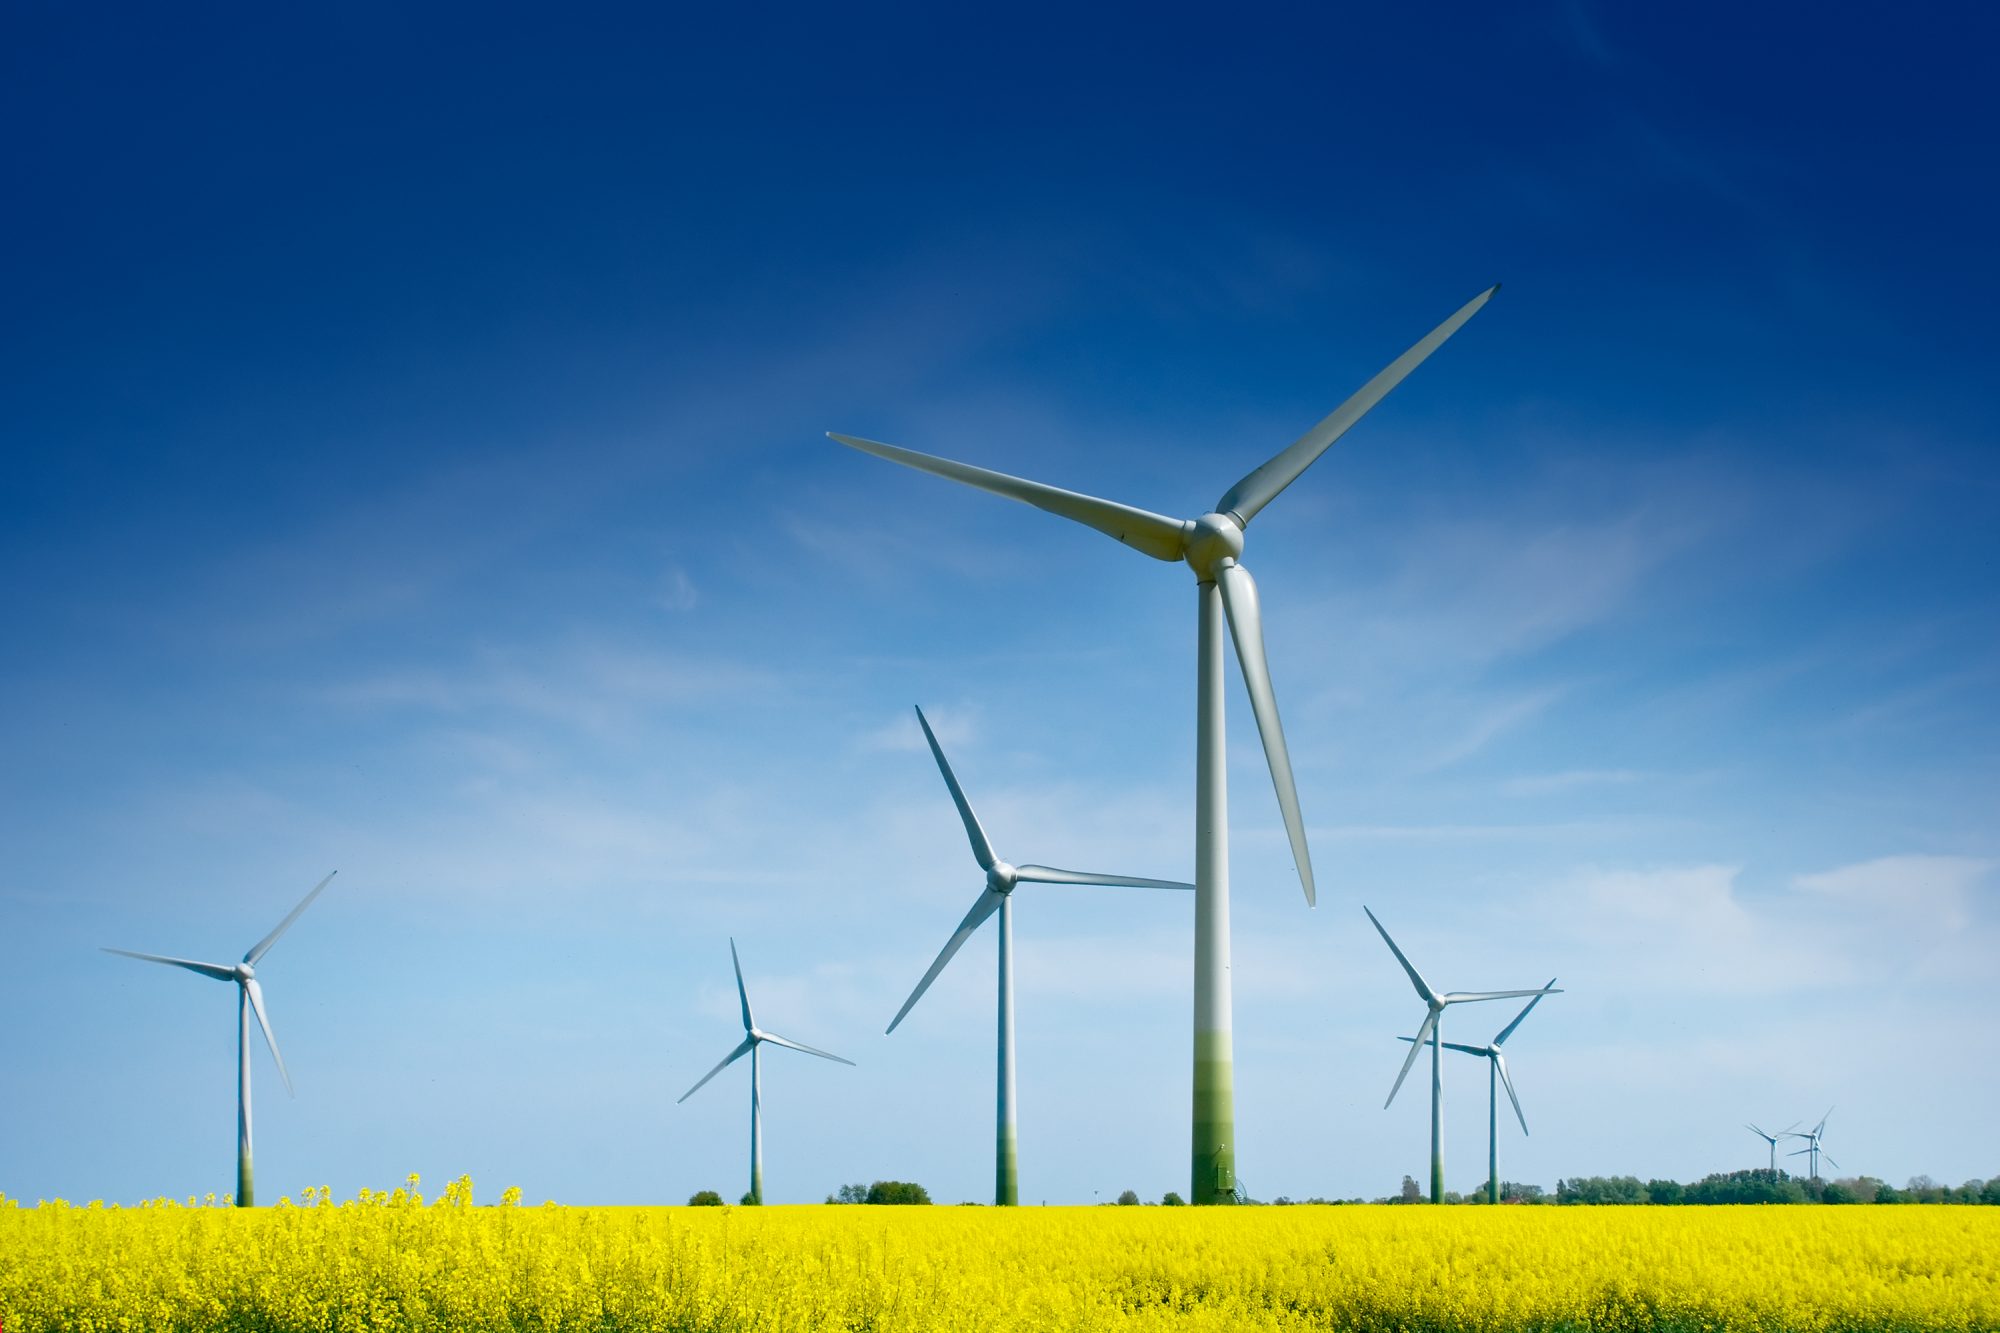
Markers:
point(705, 1199)
point(1760, 1185)
point(1600, 1189)
point(897, 1191)
point(1411, 1192)
point(1173, 1200)
point(1129, 1197)
point(748, 1200)
point(1664, 1191)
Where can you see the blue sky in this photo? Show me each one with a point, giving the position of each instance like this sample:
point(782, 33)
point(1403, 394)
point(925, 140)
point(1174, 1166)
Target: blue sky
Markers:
point(414, 436)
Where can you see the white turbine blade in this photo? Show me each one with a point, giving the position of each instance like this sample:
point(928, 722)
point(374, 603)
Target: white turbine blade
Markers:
point(1800, 1153)
point(1262, 486)
point(256, 994)
point(1154, 534)
point(1508, 1031)
point(987, 904)
point(1820, 1128)
point(1457, 1046)
point(1829, 1157)
point(1474, 996)
point(263, 946)
point(742, 1049)
point(1050, 875)
point(1761, 1134)
point(1423, 987)
point(1501, 1062)
point(777, 1040)
point(1246, 626)
point(215, 970)
point(741, 993)
point(982, 850)
point(1416, 1044)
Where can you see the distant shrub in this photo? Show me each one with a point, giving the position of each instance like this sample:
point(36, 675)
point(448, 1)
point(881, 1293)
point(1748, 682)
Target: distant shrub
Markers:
point(705, 1199)
point(1173, 1200)
point(897, 1191)
point(1129, 1198)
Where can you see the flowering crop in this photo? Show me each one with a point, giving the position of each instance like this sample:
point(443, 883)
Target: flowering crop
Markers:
point(389, 1261)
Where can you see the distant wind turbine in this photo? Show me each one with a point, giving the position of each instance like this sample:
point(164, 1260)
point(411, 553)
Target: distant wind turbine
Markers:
point(753, 1037)
point(1496, 1074)
point(1211, 546)
point(249, 999)
point(1812, 1137)
point(1772, 1139)
point(1428, 1032)
point(998, 896)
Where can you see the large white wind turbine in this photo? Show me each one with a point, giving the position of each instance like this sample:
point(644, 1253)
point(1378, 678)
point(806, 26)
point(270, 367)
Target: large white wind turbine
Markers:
point(1812, 1137)
point(1429, 1031)
point(1772, 1139)
point(249, 999)
point(998, 896)
point(754, 1037)
point(1496, 1074)
point(1211, 545)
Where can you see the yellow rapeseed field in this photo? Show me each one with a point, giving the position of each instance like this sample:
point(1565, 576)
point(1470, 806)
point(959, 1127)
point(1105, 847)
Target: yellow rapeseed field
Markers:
point(392, 1262)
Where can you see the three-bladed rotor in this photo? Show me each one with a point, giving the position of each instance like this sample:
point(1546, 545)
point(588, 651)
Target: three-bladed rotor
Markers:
point(1001, 877)
point(754, 1036)
point(1493, 1053)
point(1211, 545)
point(244, 974)
point(1435, 1005)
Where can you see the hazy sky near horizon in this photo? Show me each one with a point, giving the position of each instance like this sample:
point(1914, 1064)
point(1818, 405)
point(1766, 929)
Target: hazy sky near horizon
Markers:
point(415, 467)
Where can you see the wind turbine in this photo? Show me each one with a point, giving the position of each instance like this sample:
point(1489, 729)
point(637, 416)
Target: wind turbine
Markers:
point(753, 1037)
point(1429, 1032)
point(1772, 1139)
point(1496, 1074)
point(1812, 1138)
point(1211, 545)
point(249, 999)
point(998, 896)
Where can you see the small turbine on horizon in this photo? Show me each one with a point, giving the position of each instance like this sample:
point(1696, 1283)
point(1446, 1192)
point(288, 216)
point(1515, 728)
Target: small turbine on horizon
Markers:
point(998, 896)
point(753, 1037)
point(1211, 546)
point(249, 1000)
point(1812, 1137)
point(1496, 1074)
point(1428, 1032)
point(1772, 1139)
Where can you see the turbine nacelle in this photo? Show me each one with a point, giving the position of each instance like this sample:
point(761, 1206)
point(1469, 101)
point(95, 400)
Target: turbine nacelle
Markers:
point(1212, 539)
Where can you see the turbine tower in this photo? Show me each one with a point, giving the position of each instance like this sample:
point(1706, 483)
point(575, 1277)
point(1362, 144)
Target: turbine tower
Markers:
point(998, 896)
point(1211, 546)
point(1812, 1138)
point(249, 999)
point(1429, 1032)
point(754, 1037)
point(1772, 1139)
point(1496, 1075)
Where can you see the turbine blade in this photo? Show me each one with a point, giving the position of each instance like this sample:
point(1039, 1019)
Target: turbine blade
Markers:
point(1508, 1083)
point(256, 994)
point(1423, 987)
point(1820, 1128)
point(1246, 626)
point(1416, 1044)
point(777, 1040)
point(742, 1049)
point(215, 970)
point(263, 946)
point(987, 904)
point(1050, 875)
point(1458, 1046)
point(1761, 1134)
point(1473, 996)
point(1829, 1157)
point(1508, 1031)
point(1154, 534)
point(741, 994)
point(982, 850)
point(1262, 486)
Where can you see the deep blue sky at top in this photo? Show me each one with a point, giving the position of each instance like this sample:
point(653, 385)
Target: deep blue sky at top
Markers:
point(414, 419)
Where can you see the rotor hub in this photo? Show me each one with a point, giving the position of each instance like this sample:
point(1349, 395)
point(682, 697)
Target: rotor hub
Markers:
point(245, 972)
point(1002, 877)
point(1212, 539)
